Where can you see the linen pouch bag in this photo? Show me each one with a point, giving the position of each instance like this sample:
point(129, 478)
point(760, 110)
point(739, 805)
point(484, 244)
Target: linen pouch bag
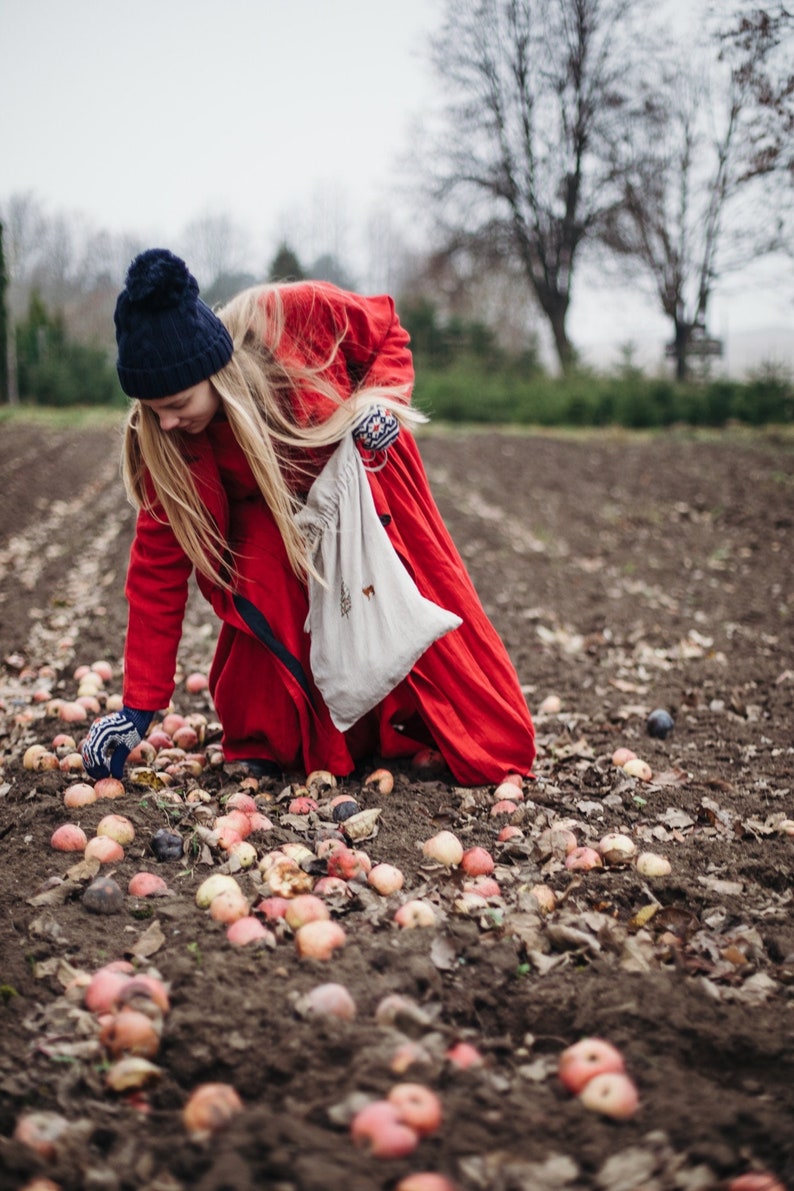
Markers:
point(368, 622)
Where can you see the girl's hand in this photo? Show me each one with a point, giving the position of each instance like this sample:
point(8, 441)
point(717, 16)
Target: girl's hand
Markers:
point(376, 429)
point(111, 740)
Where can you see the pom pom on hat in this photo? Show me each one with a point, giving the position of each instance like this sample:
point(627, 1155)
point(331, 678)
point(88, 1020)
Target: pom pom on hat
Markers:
point(168, 339)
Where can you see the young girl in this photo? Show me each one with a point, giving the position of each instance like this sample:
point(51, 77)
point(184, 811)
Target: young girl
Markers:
point(235, 416)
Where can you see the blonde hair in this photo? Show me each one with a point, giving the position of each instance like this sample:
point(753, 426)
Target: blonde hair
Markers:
point(257, 391)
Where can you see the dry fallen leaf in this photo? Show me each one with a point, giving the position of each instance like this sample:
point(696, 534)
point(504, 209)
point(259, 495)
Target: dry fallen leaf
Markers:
point(149, 942)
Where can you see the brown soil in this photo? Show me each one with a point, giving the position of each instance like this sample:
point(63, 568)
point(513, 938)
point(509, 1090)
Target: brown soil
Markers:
point(624, 574)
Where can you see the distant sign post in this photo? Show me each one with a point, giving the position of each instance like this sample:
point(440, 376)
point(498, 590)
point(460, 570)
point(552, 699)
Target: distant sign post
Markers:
point(700, 345)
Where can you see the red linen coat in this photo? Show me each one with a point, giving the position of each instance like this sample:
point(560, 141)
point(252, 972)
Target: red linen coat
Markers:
point(462, 696)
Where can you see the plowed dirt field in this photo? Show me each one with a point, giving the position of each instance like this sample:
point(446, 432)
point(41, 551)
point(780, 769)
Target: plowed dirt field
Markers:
point(625, 574)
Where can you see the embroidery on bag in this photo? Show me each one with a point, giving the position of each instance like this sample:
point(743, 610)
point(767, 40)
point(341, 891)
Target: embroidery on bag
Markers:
point(345, 602)
point(368, 591)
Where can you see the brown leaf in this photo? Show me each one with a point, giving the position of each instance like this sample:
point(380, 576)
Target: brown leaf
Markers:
point(149, 942)
point(672, 777)
point(680, 922)
point(443, 953)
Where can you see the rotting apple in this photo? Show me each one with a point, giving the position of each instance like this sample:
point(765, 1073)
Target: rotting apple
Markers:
point(382, 780)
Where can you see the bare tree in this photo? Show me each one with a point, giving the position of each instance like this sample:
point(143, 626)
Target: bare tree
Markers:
point(215, 246)
point(759, 44)
point(536, 89)
point(689, 213)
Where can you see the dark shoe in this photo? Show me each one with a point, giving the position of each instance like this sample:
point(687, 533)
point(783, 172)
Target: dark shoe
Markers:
point(260, 767)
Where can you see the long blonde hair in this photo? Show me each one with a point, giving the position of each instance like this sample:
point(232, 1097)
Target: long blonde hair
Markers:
point(256, 389)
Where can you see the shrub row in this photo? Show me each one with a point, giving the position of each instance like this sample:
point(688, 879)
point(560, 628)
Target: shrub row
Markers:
point(464, 394)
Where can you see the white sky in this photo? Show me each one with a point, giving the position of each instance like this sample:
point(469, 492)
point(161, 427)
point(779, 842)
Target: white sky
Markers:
point(145, 114)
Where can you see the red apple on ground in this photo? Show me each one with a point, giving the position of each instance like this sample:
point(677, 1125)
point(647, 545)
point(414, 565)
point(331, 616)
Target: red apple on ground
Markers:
point(589, 1057)
point(612, 1094)
point(378, 1129)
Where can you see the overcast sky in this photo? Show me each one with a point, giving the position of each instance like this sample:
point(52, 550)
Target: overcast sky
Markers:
point(144, 115)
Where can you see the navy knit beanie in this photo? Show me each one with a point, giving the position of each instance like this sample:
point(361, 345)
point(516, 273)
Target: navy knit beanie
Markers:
point(168, 339)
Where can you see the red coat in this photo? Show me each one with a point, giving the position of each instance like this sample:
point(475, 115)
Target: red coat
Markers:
point(462, 695)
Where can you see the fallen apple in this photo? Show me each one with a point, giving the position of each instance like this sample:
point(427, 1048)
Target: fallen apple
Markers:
point(650, 864)
point(378, 1129)
point(638, 768)
point(415, 913)
point(465, 1055)
point(130, 1032)
point(582, 859)
point(78, 795)
point(319, 940)
point(417, 1106)
point(327, 1000)
point(209, 1109)
point(68, 838)
point(210, 887)
point(104, 849)
point(306, 907)
point(612, 1094)
point(385, 879)
point(425, 1180)
point(477, 862)
point(616, 848)
point(445, 848)
point(104, 989)
point(41, 1131)
point(247, 930)
point(116, 827)
point(589, 1057)
point(228, 906)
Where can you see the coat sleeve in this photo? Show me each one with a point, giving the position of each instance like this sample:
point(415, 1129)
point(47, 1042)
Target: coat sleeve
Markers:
point(156, 591)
